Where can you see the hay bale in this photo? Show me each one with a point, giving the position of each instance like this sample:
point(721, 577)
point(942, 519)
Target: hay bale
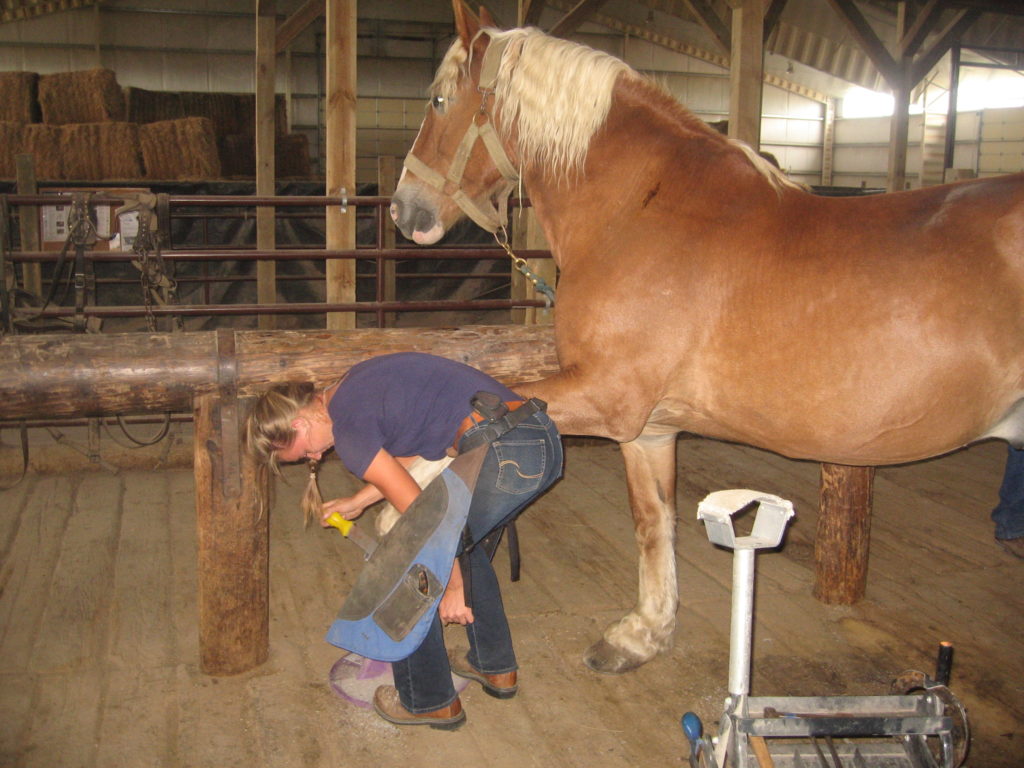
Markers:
point(11, 140)
point(87, 96)
point(237, 155)
point(291, 156)
point(43, 143)
point(180, 149)
point(18, 97)
point(228, 112)
point(98, 151)
point(144, 106)
point(232, 113)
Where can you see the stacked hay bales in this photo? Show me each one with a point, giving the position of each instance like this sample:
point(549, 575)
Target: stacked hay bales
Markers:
point(232, 116)
point(180, 149)
point(11, 135)
point(291, 156)
point(100, 151)
point(18, 97)
point(88, 96)
point(43, 143)
point(91, 130)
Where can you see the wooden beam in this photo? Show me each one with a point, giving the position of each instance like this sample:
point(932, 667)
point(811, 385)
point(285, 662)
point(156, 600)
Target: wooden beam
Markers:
point(948, 38)
point(387, 277)
point(899, 124)
point(709, 21)
point(28, 224)
point(266, 131)
point(340, 112)
point(924, 23)
point(80, 375)
point(233, 545)
point(295, 24)
point(772, 16)
point(529, 12)
point(580, 13)
point(746, 72)
point(868, 40)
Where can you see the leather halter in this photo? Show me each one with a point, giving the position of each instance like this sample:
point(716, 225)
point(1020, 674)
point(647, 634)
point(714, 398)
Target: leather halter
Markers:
point(482, 211)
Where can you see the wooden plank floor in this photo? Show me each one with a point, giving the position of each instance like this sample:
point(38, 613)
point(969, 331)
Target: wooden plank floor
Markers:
point(98, 634)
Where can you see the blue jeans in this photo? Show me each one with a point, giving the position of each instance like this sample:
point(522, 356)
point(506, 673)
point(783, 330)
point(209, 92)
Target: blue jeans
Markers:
point(1009, 512)
point(518, 467)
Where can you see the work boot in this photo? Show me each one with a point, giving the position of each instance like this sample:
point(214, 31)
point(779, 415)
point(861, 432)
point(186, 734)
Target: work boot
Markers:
point(500, 686)
point(388, 705)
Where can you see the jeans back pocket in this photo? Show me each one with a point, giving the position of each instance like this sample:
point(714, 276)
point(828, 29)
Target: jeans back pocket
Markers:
point(521, 465)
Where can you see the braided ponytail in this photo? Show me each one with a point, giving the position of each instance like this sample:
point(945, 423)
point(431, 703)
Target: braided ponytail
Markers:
point(312, 501)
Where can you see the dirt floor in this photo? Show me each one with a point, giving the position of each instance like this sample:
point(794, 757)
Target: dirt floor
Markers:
point(99, 640)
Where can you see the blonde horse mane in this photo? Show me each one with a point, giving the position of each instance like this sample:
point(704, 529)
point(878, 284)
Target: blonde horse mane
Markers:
point(557, 93)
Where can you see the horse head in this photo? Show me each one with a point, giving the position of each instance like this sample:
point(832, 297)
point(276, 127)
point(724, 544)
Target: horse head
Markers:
point(458, 164)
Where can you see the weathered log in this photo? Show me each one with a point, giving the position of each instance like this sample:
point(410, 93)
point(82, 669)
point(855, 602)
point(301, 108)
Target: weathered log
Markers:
point(101, 375)
point(233, 543)
point(843, 534)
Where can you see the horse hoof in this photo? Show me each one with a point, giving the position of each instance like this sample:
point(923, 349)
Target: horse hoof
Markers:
point(604, 657)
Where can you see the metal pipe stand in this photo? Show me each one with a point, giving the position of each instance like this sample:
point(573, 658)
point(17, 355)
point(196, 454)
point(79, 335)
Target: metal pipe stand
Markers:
point(921, 726)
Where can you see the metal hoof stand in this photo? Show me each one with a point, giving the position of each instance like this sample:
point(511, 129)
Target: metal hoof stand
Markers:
point(922, 725)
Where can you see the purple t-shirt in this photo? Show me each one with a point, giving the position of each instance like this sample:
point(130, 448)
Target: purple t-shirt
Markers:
point(409, 404)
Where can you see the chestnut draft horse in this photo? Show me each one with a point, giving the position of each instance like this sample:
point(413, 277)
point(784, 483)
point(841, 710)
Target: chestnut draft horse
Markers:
point(700, 291)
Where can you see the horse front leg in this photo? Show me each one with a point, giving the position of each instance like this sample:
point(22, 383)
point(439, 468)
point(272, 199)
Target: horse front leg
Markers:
point(647, 629)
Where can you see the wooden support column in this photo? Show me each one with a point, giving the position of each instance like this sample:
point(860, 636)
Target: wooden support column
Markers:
point(844, 534)
point(341, 154)
point(899, 125)
point(266, 130)
point(233, 530)
point(386, 183)
point(28, 222)
point(527, 235)
point(746, 71)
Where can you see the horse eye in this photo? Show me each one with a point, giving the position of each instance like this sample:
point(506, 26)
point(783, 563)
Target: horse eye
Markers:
point(438, 103)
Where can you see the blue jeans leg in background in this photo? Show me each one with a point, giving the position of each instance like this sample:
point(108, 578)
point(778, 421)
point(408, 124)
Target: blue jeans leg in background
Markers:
point(1009, 512)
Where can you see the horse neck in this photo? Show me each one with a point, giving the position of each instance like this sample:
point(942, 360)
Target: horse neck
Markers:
point(648, 142)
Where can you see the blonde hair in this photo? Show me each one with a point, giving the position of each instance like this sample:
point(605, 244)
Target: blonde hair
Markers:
point(268, 428)
point(557, 94)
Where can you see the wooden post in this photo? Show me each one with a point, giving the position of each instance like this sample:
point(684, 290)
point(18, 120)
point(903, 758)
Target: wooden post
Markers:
point(527, 234)
point(844, 534)
point(341, 154)
point(386, 188)
point(899, 125)
point(232, 528)
point(746, 71)
point(28, 217)
point(266, 130)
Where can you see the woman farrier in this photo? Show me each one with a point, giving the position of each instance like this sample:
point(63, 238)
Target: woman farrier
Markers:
point(382, 415)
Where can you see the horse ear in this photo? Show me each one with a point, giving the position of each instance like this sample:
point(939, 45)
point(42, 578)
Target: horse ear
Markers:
point(466, 22)
point(486, 20)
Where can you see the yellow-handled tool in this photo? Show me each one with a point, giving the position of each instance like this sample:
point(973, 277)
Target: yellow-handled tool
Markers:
point(353, 533)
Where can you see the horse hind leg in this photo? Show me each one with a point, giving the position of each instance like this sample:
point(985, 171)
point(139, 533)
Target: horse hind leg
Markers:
point(646, 630)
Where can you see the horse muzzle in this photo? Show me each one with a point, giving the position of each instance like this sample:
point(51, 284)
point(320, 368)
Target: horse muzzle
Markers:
point(416, 217)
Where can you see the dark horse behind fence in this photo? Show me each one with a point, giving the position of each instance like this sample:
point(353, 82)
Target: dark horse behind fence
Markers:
point(701, 291)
